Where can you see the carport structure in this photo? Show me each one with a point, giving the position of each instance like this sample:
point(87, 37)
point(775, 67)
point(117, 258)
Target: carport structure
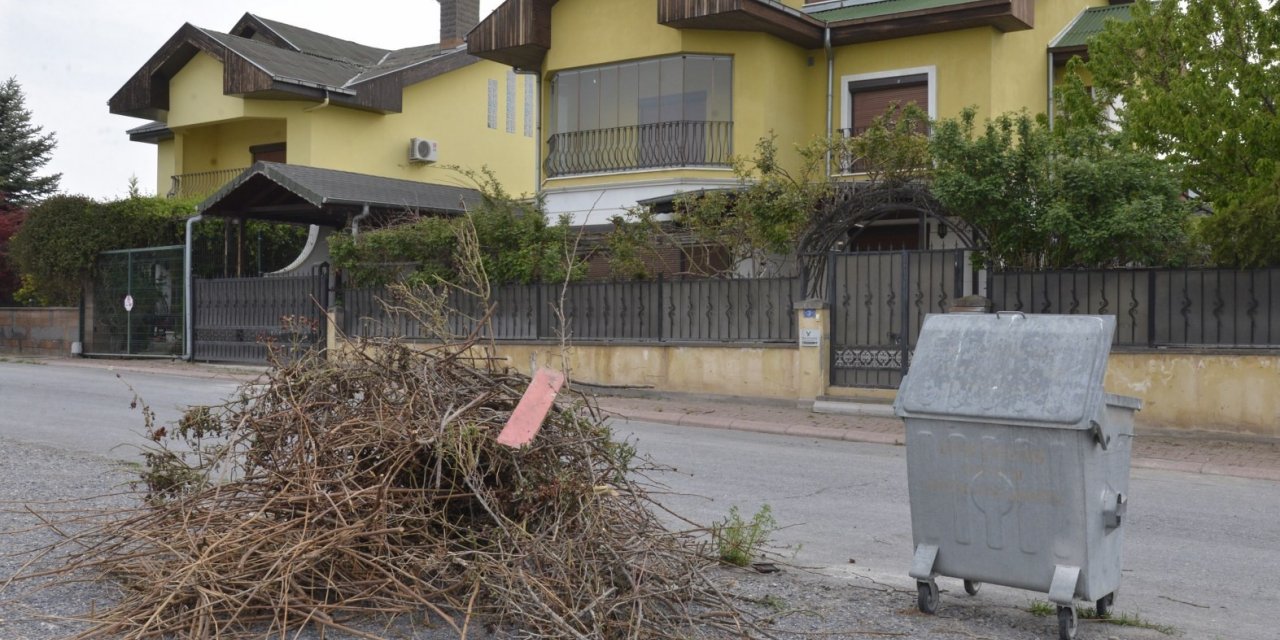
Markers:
point(230, 319)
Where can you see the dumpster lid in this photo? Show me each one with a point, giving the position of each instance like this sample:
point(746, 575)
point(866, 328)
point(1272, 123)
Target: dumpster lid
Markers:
point(1009, 367)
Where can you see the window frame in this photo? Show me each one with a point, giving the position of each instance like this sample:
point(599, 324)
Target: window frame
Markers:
point(849, 85)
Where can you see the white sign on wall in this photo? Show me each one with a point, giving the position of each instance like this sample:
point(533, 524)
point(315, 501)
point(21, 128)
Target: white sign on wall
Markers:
point(128, 303)
point(810, 337)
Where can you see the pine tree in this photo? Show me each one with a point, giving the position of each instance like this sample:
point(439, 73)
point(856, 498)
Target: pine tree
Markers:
point(24, 150)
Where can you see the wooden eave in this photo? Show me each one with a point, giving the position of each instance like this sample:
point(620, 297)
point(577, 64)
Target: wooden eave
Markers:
point(146, 94)
point(742, 15)
point(517, 34)
point(249, 26)
point(1003, 15)
point(1062, 55)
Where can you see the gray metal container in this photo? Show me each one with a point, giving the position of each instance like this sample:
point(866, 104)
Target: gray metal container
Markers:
point(1017, 461)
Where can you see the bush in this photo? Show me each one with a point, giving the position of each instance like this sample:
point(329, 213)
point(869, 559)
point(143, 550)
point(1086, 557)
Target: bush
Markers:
point(58, 244)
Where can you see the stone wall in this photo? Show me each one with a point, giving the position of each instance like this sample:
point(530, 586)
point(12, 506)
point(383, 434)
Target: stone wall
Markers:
point(38, 331)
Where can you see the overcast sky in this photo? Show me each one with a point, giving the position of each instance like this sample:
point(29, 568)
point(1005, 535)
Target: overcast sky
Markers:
point(70, 56)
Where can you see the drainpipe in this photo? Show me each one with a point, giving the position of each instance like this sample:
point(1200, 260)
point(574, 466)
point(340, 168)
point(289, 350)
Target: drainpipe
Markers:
point(188, 309)
point(322, 105)
point(355, 222)
point(1050, 111)
point(831, 79)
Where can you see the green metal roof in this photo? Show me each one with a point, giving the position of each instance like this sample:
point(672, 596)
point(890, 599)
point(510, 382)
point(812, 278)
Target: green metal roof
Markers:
point(1089, 23)
point(882, 8)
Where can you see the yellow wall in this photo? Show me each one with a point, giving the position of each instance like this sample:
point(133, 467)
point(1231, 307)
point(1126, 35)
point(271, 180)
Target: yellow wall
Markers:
point(451, 109)
point(226, 145)
point(1021, 57)
point(195, 95)
point(1180, 392)
point(166, 166)
point(773, 86)
point(214, 131)
point(1235, 393)
point(730, 371)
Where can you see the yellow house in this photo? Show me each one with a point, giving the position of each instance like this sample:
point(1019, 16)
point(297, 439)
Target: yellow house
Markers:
point(642, 99)
point(382, 120)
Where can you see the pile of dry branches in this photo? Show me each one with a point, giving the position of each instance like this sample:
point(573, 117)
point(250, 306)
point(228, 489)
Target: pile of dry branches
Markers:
point(336, 490)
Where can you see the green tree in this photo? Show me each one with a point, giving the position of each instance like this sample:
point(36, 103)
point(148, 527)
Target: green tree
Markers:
point(516, 244)
point(1076, 196)
point(765, 216)
point(24, 150)
point(1198, 83)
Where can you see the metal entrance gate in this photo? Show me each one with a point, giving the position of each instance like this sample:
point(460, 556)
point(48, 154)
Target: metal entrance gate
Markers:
point(241, 319)
point(137, 299)
point(879, 300)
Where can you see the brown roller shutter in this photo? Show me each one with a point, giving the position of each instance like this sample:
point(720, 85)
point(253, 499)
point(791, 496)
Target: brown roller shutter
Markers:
point(870, 103)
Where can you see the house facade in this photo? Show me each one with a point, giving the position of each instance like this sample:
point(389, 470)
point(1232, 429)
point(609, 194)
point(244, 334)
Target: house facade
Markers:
point(274, 92)
point(643, 99)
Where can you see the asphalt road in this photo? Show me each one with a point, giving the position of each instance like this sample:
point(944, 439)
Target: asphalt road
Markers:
point(87, 410)
point(1201, 551)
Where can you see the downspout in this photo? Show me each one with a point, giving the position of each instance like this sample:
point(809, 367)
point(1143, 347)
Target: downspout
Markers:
point(355, 222)
point(831, 79)
point(322, 105)
point(188, 302)
point(1050, 111)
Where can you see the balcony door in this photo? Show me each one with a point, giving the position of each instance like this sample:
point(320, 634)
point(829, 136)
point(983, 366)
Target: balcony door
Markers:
point(274, 152)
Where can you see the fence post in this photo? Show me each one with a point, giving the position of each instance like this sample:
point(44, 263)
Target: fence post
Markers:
point(1151, 308)
point(661, 305)
point(814, 353)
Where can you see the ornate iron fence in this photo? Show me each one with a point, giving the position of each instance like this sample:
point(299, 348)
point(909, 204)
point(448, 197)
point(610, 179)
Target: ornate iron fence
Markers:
point(754, 310)
point(1157, 307)
point(879, 300)
point(684, 143)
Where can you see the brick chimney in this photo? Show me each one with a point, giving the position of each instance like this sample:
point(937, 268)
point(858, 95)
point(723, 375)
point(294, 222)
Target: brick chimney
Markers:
point(457, 19)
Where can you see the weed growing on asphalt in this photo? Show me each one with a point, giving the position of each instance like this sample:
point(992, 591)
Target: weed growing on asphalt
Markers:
point(1042, 609)
point(737, 541)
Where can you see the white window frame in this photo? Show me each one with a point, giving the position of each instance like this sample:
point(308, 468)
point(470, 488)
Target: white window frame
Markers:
point(846, 106)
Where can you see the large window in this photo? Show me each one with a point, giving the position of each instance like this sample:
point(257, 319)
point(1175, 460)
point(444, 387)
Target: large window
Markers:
point(674, 111)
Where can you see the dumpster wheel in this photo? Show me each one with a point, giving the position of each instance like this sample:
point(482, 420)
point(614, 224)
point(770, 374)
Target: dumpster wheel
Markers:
point(1067, 623)
point(972, 587)
point(927, 596)
point(1104, 605)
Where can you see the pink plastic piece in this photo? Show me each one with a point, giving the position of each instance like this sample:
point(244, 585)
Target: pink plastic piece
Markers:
point(526, 420)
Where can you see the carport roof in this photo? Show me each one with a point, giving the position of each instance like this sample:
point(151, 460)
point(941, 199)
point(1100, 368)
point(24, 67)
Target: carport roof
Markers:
point(300, 194)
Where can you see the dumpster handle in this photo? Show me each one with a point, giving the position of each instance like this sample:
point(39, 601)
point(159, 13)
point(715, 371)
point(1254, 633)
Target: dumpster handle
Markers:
point(1098, 435)
point(1019, 314)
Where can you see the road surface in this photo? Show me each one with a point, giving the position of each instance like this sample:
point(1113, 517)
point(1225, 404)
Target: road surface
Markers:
point(1202, 552)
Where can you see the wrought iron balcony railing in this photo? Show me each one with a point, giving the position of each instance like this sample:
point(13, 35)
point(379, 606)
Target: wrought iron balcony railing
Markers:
point(684, 143)
point(191, 185)
point(850, 164)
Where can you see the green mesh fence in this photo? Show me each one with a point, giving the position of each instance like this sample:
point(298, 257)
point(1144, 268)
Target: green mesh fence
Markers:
point(137, 303)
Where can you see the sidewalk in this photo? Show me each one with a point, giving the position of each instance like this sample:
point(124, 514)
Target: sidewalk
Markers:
point(1197, 453)
point(1200, 453)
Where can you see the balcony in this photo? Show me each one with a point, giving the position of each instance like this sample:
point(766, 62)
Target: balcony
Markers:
point(683, 143)
point(199, 185)
point(850, 164)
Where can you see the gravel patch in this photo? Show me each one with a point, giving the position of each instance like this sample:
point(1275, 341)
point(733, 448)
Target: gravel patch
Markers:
point(801, 604)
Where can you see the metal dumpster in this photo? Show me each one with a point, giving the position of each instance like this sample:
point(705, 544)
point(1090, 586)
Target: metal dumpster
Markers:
point(1017, 461)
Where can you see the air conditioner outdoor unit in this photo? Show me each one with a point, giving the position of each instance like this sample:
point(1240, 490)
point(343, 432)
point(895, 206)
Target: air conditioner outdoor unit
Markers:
point(421, 150)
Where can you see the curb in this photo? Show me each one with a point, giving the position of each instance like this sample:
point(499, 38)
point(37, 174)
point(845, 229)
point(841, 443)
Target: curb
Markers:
point(873, 437)
point(177, 369)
